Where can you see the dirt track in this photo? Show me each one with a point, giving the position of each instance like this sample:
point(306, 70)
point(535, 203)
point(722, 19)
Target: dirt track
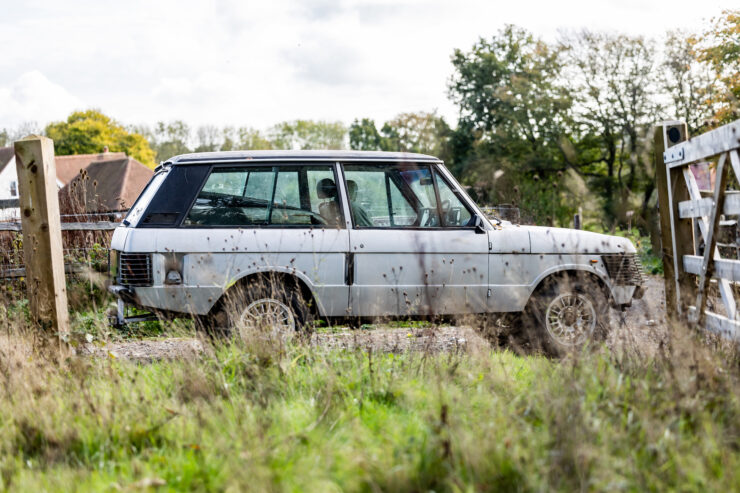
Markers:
point(641, 326)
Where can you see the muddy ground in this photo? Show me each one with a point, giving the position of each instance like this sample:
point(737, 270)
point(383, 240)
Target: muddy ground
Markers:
point(640, 326)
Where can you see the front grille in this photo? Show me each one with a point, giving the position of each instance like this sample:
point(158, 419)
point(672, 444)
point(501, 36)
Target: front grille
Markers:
point(135, 269)
point(624, 269)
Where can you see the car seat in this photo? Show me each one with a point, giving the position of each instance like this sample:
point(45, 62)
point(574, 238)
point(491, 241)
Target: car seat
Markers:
point(326, 190)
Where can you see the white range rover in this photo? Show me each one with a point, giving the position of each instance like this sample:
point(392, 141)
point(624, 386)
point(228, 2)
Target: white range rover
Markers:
point(282, 237)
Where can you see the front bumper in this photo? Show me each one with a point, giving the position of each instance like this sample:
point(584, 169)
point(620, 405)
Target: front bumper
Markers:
point(123, 293)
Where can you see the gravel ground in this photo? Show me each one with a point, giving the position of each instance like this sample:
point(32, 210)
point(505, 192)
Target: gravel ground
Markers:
point(641, 326)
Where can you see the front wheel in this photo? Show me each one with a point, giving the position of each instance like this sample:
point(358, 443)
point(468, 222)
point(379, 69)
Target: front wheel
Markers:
point(565, 314)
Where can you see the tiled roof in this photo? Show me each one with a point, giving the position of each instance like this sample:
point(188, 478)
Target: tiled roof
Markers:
point(70, 166)
point(104, 186)
point(6, 155)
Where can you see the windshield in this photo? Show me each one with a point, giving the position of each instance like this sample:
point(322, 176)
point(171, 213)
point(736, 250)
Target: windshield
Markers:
point(136, 211)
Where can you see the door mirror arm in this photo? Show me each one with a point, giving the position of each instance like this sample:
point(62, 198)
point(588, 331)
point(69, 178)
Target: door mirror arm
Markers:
point(479, 228)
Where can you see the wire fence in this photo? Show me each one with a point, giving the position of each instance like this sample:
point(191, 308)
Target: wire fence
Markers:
point(86, 240)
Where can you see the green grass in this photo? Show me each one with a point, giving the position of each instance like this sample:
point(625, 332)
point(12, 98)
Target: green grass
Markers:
point(259, 416)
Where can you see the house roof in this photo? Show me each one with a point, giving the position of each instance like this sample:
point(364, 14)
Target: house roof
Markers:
point(251, 156)
point(70, 166)
point(104, 186)
point(6, 156)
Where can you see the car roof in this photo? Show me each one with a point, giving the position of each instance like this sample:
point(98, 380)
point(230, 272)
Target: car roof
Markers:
point(289, 155)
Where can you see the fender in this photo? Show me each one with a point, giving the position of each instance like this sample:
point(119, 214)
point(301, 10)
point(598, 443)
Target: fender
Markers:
point(265, 269)
point(600, 273)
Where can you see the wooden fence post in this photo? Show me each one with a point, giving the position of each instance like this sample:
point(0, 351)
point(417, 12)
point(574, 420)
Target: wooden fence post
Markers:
point(677, 235)
point(42, 234)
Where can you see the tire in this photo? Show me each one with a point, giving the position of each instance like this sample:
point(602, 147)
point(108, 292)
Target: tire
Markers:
point(264, 305)
point(565, 314)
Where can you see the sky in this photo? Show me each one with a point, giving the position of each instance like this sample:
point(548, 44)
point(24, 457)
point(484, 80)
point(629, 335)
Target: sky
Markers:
point(256, 63)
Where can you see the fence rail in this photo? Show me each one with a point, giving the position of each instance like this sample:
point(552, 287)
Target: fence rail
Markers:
point(79, 239)
point(87, 226)
point(691, 222)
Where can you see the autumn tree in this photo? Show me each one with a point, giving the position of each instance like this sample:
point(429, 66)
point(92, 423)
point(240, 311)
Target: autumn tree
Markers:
point(90, 131)
point(719, 46)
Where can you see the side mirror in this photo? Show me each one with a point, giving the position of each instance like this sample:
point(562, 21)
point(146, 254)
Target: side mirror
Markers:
point(479, 228)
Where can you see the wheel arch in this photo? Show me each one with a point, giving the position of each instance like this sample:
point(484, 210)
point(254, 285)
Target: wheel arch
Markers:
point(291, 278)
point(563, 271)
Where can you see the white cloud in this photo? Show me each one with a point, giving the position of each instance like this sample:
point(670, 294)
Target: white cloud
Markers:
point(256, 63)
point(34, 98)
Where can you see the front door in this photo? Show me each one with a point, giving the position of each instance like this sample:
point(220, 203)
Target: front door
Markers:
point(413, 246)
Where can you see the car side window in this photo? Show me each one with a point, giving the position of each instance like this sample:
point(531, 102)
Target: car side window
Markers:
point(455, 213)
point(267, 196)
point(391, 196)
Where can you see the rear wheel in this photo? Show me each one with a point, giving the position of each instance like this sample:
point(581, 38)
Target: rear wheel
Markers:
point(261, 306)
point(565, 314)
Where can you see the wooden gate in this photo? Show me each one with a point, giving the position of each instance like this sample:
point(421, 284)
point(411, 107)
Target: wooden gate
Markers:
point(695, 203)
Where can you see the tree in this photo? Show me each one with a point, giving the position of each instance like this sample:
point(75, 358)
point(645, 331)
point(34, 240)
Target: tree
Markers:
point(514, 111)
point(208, 138)
point(612, 78)
point(719, 46)
point(88, 132)
point(364, 136)
point(170, 139)
point(421, 132)
point(251, 139)
point(308, 134)
point(687, 81)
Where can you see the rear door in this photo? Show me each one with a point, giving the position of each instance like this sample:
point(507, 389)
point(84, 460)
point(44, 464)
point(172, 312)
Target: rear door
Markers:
point(414, 249)
point(281, 217)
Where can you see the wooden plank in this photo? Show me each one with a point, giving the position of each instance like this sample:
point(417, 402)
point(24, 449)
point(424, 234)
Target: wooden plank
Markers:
point(718, 141)
point(677, 236)
point(702, 207)
point(19, 272)
point(725, 290)
point(710, 238)
point(721, 325)
point(723, 268)
point(42, 234)
point(93, 226)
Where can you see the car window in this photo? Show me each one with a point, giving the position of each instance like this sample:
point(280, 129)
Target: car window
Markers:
point(267, 196)
point(454, 212)
point(391, 196)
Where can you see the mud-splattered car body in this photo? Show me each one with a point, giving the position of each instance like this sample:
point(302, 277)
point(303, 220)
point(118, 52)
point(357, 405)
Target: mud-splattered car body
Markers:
point(363, 234)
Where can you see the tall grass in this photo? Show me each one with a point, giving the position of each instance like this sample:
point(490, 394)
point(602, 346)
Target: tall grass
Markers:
point(259, 416)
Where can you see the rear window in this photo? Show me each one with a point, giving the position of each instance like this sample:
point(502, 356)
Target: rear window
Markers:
point(171, 200)
point(137, 210)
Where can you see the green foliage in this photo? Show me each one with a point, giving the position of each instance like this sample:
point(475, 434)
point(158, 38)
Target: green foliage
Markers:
point(252, 139)
point(308, 134)
point(364, 135)
point(88, 132)
point(514, 113)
